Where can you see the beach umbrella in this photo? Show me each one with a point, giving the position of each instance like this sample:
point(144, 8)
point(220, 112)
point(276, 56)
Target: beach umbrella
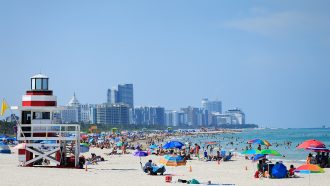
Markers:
point(260, 142)
point(84, 137)
point(270, 152)
point(311, 143)
point(140, 154)
point(173, 144)
point(308, 169)
point(153, 146)
point(84, 147)
point(258, 157)
point(315, 149)
point(211, 143)
point(172, 160)
point(251, 152)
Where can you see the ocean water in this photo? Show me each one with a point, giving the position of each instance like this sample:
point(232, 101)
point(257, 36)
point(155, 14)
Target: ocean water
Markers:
point(277, 137)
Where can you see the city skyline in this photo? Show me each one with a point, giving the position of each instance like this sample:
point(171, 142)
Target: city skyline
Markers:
point(114, 111)
point(268, 59)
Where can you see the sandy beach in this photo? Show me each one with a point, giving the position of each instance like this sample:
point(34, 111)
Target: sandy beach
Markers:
point(126, 170)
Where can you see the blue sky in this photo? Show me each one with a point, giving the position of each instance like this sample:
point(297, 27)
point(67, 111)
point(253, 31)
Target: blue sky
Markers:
point(270, 58)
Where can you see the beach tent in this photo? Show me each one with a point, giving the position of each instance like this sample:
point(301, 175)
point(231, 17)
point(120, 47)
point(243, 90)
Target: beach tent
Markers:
point(279, 171)
point(4, 149)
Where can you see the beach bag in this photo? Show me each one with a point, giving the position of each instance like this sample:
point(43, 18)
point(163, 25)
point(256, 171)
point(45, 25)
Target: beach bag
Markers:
point(182, 181)
point(193, 181)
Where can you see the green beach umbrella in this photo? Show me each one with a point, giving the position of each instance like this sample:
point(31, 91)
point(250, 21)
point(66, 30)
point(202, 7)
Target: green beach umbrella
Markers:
point(270, 152)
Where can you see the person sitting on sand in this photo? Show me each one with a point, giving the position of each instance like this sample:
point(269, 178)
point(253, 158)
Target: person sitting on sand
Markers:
point(148, 166)
point(291, 171)
point(309, 158)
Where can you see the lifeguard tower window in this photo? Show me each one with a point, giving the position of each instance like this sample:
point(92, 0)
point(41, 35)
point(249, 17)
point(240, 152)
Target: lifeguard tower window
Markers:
point(26, 117)
point(41, 115)
point(39, 83)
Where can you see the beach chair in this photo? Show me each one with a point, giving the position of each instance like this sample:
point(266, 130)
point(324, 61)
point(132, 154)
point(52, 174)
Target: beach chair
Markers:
point(157, 169)
point(227, 158)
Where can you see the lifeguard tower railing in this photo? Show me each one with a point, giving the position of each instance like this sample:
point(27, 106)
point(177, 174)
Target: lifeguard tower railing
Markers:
point(64, 135)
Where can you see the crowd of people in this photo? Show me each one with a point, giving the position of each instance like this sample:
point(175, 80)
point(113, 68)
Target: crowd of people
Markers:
point(321, 159)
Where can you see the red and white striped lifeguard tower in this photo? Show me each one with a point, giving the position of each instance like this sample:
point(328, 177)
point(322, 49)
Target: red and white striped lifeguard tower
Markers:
point(45, 142)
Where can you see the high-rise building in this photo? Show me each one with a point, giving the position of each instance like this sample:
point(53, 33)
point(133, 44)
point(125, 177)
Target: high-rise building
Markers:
point(112, 96)
point(71, 113)
point(212, 106)
point(195, 116)
point(125, 94)
point(157, 115)
point(149, 116)
point(116, 114)
point(238, 116)
point(234, 116)
point(172, 118)
point(92, 115)
point(86, 113)
point(192, 115)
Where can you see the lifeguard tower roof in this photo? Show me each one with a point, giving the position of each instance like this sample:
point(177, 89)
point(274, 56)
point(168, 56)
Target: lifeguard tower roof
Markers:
point(39, 76)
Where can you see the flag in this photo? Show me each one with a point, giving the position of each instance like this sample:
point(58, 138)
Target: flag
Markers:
point(4, 107)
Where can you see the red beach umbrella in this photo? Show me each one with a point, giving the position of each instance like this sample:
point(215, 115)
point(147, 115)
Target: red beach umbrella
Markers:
point(311, 143)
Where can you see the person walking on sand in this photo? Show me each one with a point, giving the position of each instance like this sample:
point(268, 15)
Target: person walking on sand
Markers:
point(197, 148)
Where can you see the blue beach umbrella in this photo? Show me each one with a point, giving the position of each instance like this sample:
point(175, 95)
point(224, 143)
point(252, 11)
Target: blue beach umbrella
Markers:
point(258, 157)
point(173, 144)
